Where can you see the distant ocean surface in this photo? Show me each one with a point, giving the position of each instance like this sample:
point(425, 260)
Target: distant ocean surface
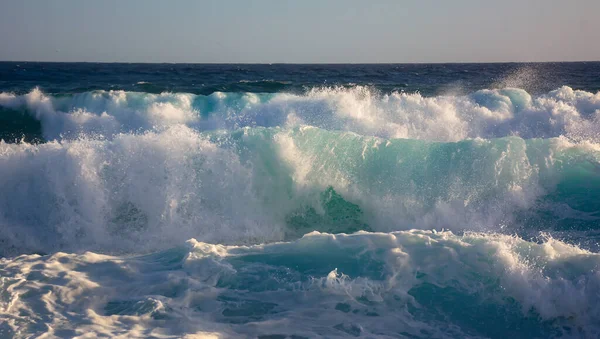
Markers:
point(299, 201)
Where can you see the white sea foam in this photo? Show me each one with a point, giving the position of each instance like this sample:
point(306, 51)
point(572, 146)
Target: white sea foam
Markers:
point(125, 173)
point(368, 284)
point(483, 114)
point(151, 191)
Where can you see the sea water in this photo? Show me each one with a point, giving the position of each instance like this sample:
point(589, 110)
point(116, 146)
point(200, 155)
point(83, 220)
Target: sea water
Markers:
point(300, 201)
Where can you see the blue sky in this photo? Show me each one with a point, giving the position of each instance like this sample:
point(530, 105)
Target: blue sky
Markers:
point(308, 31)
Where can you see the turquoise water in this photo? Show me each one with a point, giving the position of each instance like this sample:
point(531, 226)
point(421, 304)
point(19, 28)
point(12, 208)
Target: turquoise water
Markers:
point(350, 210)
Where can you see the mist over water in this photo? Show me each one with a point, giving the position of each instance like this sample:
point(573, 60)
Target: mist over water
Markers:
point(351, 209)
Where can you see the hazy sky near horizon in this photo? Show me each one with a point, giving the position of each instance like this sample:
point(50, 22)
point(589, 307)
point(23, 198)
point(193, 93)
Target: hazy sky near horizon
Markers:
point(308, 31)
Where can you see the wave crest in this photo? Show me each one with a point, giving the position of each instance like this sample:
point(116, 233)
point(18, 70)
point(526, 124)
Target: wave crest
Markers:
point(483, 114)
point(143, 192)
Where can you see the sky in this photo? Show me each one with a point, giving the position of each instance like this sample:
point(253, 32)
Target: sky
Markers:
point(299, 31)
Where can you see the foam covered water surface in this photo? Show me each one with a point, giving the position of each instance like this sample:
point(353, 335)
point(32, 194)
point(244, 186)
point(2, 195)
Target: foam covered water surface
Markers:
point(271, 202)
point(381, 285)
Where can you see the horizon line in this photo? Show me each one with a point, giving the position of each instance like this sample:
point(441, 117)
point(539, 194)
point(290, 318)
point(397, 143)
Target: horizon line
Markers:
point(301, 63)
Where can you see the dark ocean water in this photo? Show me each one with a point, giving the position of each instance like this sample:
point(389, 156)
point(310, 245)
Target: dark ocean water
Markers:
point(427, 79)
point(300, 201)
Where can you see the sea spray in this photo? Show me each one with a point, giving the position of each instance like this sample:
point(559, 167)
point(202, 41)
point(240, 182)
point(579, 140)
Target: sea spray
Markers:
point(380, 201)
point(151, 191)
point(363, 110)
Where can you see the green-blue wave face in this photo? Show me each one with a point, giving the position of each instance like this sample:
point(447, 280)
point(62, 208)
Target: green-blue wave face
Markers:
point(444, 216)
point(157, 189)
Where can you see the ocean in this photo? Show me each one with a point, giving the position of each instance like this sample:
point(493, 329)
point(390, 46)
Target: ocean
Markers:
point(299, 201)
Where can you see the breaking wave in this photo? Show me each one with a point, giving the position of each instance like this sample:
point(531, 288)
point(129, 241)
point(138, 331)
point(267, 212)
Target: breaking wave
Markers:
point(488, 200)
point(483, 114)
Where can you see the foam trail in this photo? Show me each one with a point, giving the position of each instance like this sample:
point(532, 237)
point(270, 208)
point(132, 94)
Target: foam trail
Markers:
point(402, 284)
